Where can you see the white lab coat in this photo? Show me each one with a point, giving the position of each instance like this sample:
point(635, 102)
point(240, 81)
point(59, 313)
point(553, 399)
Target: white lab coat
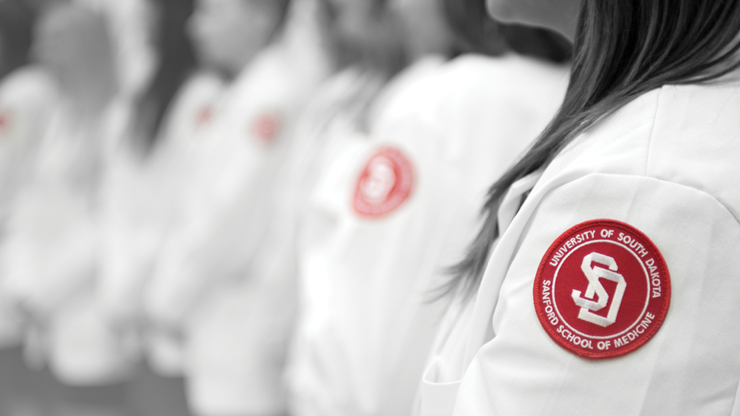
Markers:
point(366, 324)
point(27, 97)
point(666, 164)
point(51, 253)
point(251, 333)
point(140, 201)
point(199, 283)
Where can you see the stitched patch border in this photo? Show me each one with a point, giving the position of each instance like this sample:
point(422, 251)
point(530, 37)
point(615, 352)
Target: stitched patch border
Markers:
point(602, 289)
point(384, 184)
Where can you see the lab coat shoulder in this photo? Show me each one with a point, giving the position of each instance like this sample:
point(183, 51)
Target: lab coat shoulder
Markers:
point(192, 108)
point(401, 248)
point(500, 102)
point(29, 84)
point(275, 92)
point(26, 99)
point(511, 76)
point(669, 134)
point(463, 125)
point(483, 105)
point(664, 165)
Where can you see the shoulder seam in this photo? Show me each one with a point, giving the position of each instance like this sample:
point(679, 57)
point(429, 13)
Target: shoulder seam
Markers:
point(737, 220)
point(652, 131)
point(649, 151)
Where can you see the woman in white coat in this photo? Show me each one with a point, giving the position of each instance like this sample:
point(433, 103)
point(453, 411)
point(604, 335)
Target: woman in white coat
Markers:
point(133, 196)
point(605, 278)
point(397, 206)
point(199, 288)
point(49, 256)
point(27, 97)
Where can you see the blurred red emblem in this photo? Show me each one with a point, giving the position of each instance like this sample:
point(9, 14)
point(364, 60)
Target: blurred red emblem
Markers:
point(602, 289)
point(266, 127)
point(4, 121)
point(384, 184)
point(204, 116)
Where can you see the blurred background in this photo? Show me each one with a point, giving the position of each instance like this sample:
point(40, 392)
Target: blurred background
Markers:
point(154, 157)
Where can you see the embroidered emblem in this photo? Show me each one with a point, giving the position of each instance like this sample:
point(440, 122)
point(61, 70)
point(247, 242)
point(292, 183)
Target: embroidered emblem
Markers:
point(5, 123)
point(266, 127)
point(384, 184)
point(204, 116)
point(602, 290)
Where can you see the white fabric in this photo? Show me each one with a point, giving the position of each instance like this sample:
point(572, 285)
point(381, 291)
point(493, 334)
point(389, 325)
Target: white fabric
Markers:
point(83, 349)
point(224, 225)
point(27, 97)
point(140, 202)
point(206, 283)
point(53, 218)
point(666, 164)
point(244, 331)
point(366, 323)
point(50, 257)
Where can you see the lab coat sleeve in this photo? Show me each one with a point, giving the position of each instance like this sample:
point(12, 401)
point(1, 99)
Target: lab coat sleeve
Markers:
point(382, 270)
point(26, 98)
point(129, 243)
point(139, 199)
point(48, 257)
point(691, 366)
point(225, 225)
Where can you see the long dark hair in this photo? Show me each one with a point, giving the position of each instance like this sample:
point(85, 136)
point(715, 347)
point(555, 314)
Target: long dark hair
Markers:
point(623, 49)
point(176, 62)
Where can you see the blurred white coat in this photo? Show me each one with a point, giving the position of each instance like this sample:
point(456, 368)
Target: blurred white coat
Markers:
point(366, 280)
point(140, 202)
point(666, 165)
point(51, 255)
point(27, 97)
point(200, 285)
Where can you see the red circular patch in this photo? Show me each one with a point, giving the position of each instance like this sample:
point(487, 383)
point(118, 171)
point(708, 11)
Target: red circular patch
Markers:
point(384, 183)
point(204, 116)
point(266, 127)
point(4, 121)
point(602, 289)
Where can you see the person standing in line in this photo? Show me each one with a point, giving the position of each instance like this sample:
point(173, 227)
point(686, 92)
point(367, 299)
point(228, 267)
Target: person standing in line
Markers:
point(27, 96)
point(147, 175)
point(138, 188)
point(198, 291)
point(604, 279)
point(49, 255)
point(391, 212)
point(191, 112)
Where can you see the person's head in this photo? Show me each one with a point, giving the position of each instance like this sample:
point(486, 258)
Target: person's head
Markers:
point(228, 33)
point(364, 32)
point(425, 27)
point(72, 42)
point(623, 49)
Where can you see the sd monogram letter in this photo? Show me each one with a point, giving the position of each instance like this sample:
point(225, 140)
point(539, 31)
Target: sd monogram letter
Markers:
point(593, 274)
